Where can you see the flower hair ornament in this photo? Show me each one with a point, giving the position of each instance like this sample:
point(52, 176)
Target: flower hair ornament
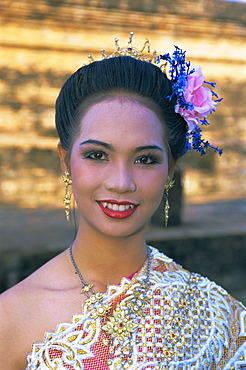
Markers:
point(194, 102)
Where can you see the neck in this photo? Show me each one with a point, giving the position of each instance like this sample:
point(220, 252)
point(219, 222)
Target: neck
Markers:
point(105, 260)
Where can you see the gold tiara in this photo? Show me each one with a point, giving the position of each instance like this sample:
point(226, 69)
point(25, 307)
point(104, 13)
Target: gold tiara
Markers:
point(130, 51)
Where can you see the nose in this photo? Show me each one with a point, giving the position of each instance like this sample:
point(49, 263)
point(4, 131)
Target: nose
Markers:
point(120, 179)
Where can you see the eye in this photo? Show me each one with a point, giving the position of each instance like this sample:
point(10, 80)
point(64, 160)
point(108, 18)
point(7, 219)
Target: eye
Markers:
point(96, 155)
point(147, 159)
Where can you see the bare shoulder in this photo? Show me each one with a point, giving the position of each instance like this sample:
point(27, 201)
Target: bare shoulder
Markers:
point(13, 323)
point(27, 311)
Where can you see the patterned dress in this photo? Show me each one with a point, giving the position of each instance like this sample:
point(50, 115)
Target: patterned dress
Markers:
point(178, 320)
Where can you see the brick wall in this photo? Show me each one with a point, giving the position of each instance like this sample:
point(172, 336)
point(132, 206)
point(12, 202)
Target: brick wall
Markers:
point(43, 42)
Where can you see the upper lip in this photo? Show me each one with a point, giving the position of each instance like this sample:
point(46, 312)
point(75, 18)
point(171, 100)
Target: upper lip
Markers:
point(113, 201)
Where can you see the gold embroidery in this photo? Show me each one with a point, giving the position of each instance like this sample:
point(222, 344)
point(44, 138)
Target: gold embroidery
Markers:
point(185, 319)
point(120, 326)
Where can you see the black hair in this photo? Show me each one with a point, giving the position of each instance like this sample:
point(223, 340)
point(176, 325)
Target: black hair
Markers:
point(119, 75)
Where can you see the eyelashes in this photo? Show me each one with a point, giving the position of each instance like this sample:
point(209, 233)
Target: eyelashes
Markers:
point(96, 155)
point(101, 156)
point(148, 159)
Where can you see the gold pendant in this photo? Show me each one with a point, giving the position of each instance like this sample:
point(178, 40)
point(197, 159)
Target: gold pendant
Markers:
point(86, 288)
point(119, 325)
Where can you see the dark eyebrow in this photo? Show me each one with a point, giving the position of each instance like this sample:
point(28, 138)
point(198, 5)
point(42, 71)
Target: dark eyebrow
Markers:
point(108, 146)
point(97, 142)
point(147, 147)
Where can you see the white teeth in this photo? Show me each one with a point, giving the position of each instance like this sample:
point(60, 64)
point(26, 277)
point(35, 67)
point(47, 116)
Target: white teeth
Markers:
point(117, 207)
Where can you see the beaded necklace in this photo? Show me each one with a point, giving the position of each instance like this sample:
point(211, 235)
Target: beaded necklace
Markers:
point(119, 324)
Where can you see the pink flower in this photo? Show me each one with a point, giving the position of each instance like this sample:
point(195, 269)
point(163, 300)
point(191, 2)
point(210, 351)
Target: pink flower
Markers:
point(199, 96)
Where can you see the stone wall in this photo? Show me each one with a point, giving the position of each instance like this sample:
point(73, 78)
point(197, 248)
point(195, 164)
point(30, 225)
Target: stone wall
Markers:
point(43, 42)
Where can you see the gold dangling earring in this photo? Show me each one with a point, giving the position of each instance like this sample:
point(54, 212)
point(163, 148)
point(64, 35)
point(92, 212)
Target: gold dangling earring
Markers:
point(168, 186)
point(67, 197)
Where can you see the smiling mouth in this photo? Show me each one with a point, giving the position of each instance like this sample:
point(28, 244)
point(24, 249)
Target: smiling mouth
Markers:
point(117, 207)
point(118, 210)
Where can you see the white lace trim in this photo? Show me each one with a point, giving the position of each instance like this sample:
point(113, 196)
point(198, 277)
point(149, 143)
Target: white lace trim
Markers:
point(186, 326)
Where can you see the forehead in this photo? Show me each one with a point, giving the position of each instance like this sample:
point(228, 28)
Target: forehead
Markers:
point(121, 119)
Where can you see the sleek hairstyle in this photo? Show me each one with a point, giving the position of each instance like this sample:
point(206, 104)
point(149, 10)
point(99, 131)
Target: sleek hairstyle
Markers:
point(119, 76)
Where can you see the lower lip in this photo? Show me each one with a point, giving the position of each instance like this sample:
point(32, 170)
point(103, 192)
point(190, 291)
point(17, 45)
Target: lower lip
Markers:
point(117, 214)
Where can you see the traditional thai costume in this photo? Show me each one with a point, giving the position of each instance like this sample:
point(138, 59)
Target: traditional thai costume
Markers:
point(178, 320)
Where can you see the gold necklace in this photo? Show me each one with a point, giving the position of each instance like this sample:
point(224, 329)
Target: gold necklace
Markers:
point(119, 324)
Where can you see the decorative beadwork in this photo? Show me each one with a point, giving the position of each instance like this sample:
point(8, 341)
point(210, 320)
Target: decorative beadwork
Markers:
point(120, 327)
point(184, 322)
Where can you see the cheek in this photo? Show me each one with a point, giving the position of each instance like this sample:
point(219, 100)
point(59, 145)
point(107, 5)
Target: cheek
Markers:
point(82, 178)
point(154, 184)
point(86, 178)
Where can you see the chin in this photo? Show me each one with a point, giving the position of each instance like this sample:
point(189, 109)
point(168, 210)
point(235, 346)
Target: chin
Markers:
point(121, 230)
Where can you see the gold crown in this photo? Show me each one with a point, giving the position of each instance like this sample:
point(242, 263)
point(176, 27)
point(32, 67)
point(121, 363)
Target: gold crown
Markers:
point(129, 50)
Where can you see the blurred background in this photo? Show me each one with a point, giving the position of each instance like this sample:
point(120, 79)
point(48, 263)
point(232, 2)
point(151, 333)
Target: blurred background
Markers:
point(42, 44)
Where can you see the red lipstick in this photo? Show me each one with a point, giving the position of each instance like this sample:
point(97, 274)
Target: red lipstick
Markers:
point(117, 214)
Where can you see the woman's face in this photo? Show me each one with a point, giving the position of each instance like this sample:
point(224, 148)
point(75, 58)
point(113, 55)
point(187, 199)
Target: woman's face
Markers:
point(119, 167)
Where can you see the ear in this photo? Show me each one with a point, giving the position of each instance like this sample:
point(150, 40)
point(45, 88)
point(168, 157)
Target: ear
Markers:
point(63, 157)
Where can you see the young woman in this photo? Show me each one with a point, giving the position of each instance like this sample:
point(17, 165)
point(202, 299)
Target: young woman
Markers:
point(110, 301)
